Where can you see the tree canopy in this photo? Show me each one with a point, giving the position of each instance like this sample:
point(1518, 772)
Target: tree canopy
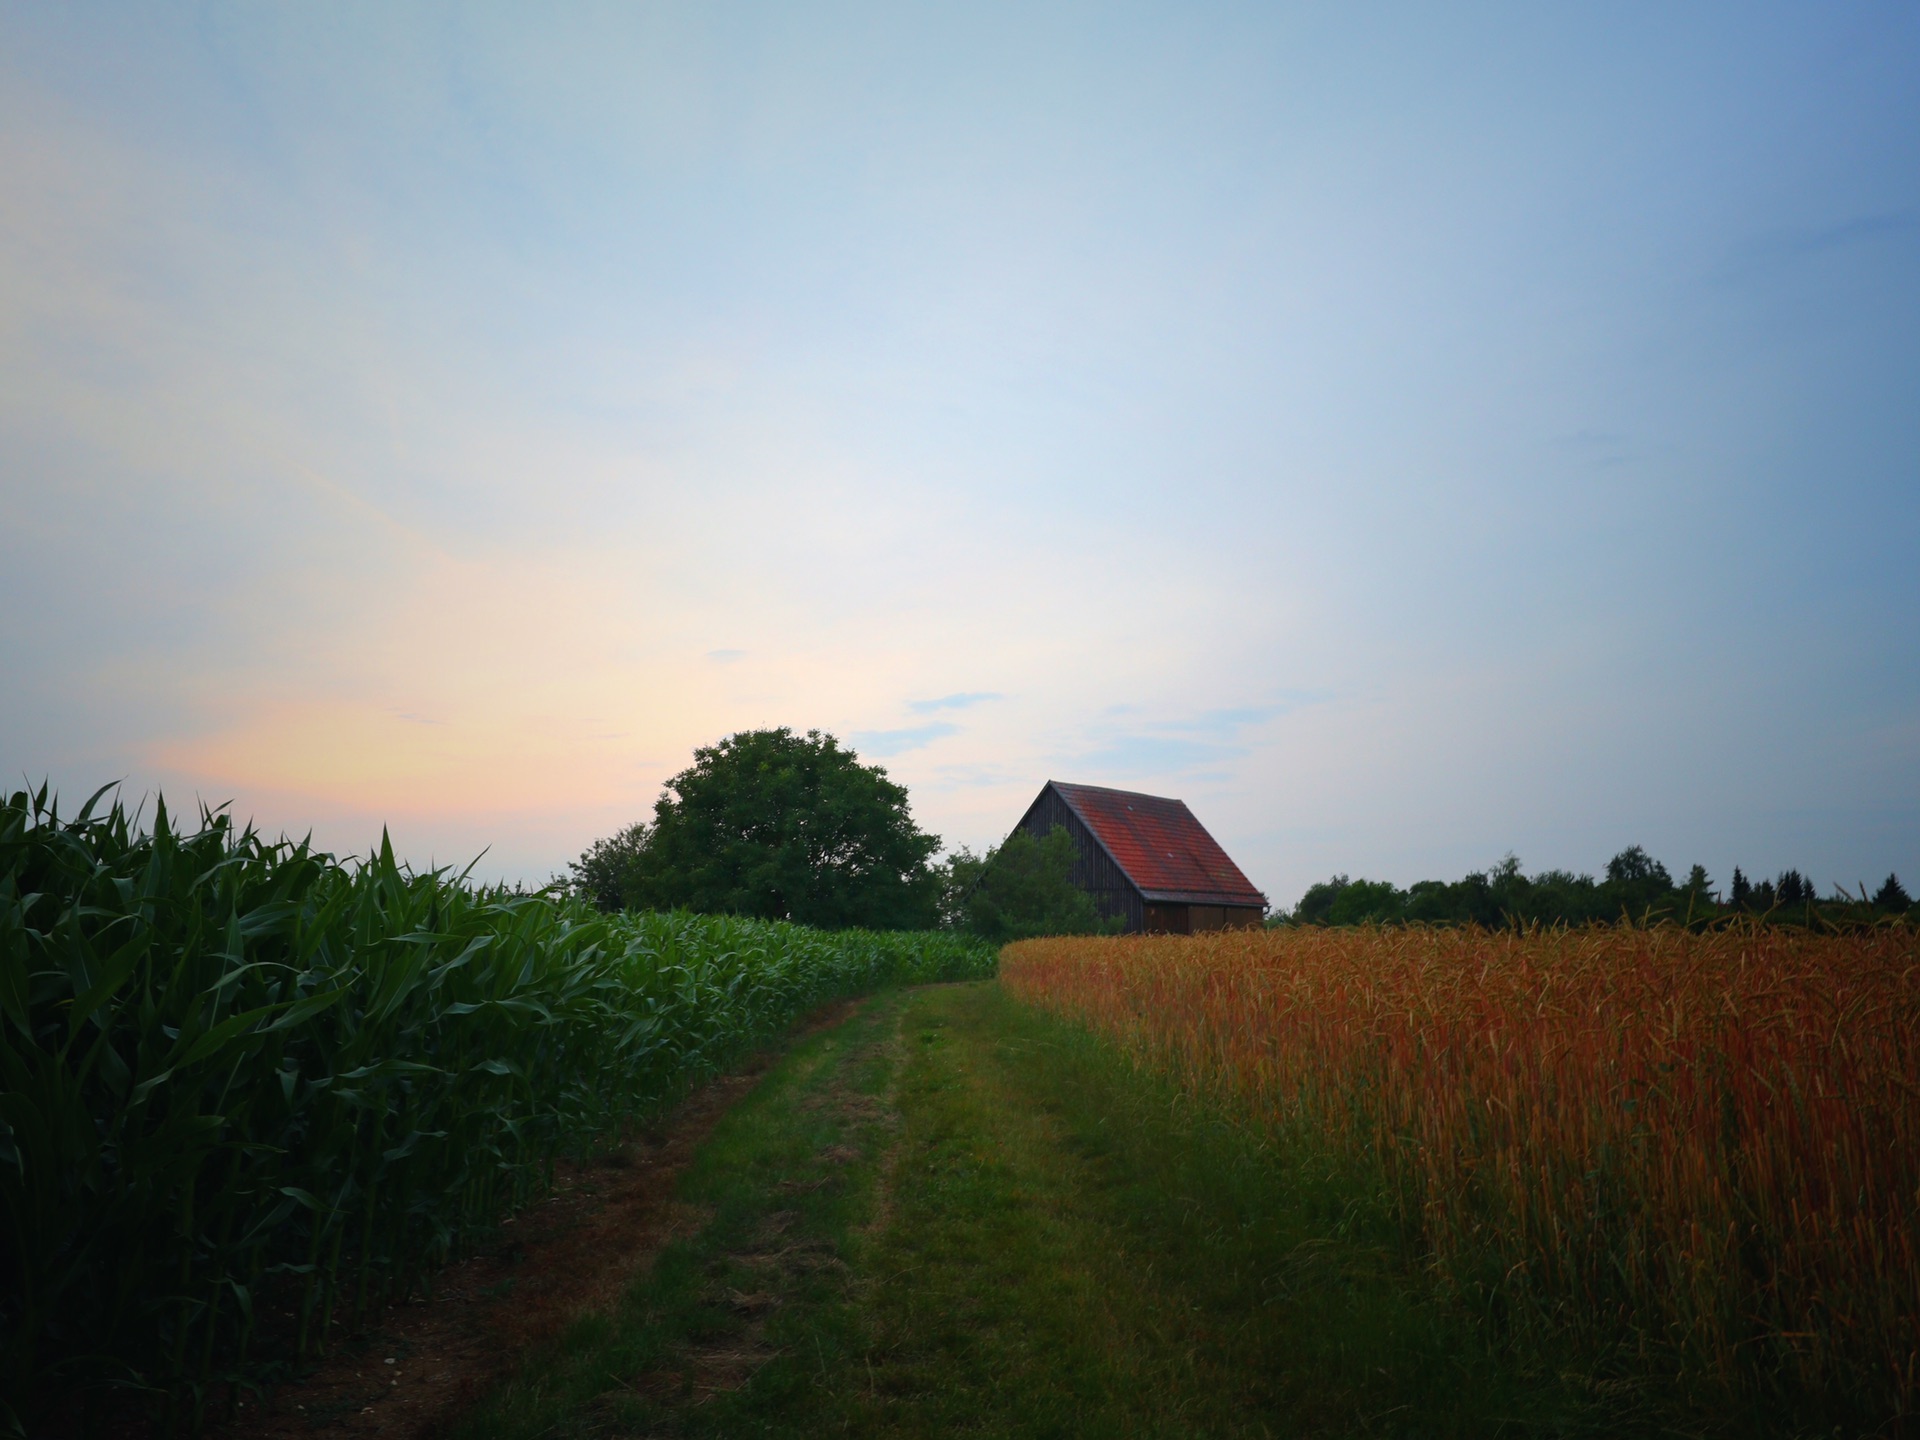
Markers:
point(777, 825)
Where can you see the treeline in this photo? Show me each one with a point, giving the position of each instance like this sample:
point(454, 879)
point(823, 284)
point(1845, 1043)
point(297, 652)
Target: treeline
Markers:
point(1636, 889)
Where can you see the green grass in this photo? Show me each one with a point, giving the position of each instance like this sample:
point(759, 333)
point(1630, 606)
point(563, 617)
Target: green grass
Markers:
point(955, 1215)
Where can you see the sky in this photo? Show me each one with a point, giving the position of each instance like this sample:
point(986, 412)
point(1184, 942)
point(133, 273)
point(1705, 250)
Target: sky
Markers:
point(1409, 434)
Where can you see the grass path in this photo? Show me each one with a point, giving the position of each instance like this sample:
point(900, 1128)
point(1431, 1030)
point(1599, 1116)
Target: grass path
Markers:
point(953, 1216)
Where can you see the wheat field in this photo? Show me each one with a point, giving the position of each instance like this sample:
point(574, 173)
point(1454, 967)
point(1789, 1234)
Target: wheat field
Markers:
point(1697, 1154)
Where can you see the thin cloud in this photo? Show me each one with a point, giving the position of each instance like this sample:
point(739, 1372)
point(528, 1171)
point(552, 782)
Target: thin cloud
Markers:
point(1859, 230)
point(726, 657)
point(977, 776)
point(960, 701)
point(1131, 756)
point(899, 742)
point(1223, 723)
point(1766, 252)
point(1227, 723)
point(1192, 747)
point(1601, 448)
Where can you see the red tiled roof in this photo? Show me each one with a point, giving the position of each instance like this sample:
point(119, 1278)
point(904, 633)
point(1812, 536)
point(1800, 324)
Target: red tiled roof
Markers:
point(1163, 849)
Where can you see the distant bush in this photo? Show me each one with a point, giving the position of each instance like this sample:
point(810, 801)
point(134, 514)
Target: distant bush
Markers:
point(1021, 889)
point(609, 871)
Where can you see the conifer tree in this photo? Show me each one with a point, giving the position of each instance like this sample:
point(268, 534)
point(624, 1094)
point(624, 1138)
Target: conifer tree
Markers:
point(1698, 889)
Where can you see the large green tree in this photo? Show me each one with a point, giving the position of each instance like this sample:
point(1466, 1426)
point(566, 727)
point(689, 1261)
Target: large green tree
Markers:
point(785, 827)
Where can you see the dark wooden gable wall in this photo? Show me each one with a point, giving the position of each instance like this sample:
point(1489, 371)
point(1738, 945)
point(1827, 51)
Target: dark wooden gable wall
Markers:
point(1093, 870)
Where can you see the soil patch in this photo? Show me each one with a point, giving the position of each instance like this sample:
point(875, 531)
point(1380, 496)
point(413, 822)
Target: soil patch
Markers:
point(417, 1365)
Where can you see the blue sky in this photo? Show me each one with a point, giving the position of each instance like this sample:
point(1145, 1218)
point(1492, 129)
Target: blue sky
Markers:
point(1408, 434)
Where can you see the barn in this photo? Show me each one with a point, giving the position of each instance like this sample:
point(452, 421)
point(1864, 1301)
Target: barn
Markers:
point(1147, 859)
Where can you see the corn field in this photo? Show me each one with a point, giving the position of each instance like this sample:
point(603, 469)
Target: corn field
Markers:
point(231, 1065)
point(1694, 1154)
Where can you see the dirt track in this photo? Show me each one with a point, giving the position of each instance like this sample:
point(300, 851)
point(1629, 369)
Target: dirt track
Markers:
point(413, 1369)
